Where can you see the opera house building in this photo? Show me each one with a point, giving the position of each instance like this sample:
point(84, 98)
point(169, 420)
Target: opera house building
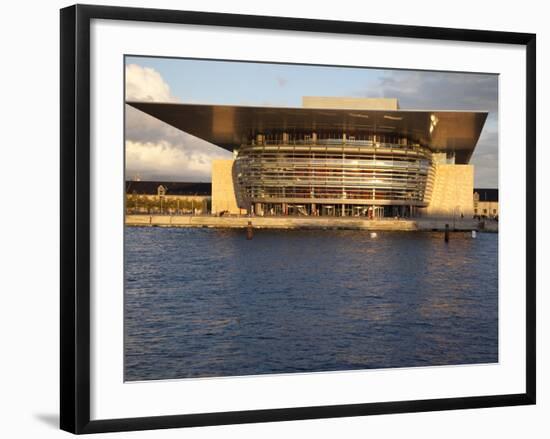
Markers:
point(335, 157)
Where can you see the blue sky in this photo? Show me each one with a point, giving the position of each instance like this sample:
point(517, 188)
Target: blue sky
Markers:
point(241, 83)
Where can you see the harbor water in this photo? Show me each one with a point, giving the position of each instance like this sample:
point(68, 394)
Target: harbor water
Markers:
point(204, 302)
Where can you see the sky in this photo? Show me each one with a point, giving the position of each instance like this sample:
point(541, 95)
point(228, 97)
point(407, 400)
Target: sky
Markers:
point(157, 151)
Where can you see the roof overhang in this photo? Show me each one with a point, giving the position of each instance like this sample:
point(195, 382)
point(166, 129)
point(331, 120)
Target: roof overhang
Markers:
point(230, 126)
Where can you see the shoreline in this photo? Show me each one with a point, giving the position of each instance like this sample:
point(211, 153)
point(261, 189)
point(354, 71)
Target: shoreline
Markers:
point(311, 223)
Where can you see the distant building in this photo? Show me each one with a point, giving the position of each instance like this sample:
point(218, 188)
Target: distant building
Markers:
point(335, 157)
point(168, 197)
point(486, 203)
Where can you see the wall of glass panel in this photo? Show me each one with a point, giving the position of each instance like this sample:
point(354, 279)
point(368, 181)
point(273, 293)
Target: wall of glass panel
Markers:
point(374, 169)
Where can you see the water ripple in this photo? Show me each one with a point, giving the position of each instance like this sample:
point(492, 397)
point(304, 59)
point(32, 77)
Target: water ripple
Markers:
point(207, 302)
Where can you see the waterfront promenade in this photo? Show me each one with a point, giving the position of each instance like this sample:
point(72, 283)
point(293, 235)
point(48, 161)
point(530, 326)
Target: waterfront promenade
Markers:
point(302, 222)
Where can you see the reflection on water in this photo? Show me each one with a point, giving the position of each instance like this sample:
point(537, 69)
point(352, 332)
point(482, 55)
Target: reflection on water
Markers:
point(208, 302)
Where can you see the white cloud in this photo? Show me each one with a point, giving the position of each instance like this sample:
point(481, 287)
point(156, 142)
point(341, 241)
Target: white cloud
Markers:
point(146, 84)
point(154, 149)
point(165, 161)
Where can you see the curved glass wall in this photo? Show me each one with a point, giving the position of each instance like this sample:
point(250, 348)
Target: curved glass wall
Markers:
point(338, 171)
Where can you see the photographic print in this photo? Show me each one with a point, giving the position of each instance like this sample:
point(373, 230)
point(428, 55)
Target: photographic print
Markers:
point(342, 227)
point(288, 218)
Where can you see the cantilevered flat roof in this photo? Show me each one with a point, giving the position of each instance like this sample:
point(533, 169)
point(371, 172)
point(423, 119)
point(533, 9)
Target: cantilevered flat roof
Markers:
point(230, 126)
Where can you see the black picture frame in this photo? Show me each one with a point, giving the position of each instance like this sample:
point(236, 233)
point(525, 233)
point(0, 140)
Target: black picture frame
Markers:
point(75, 217)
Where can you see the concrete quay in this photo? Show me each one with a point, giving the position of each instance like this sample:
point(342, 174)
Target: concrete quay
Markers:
point(300, 222)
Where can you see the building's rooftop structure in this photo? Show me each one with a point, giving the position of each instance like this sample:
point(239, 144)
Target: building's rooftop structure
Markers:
point(230, 126)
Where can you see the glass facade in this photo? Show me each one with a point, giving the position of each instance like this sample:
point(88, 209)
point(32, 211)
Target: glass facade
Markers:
point(334, 174)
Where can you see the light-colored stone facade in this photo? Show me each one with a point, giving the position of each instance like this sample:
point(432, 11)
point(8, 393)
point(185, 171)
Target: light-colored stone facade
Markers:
point(350, 103)
point(224, 194)
point(452, 194)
